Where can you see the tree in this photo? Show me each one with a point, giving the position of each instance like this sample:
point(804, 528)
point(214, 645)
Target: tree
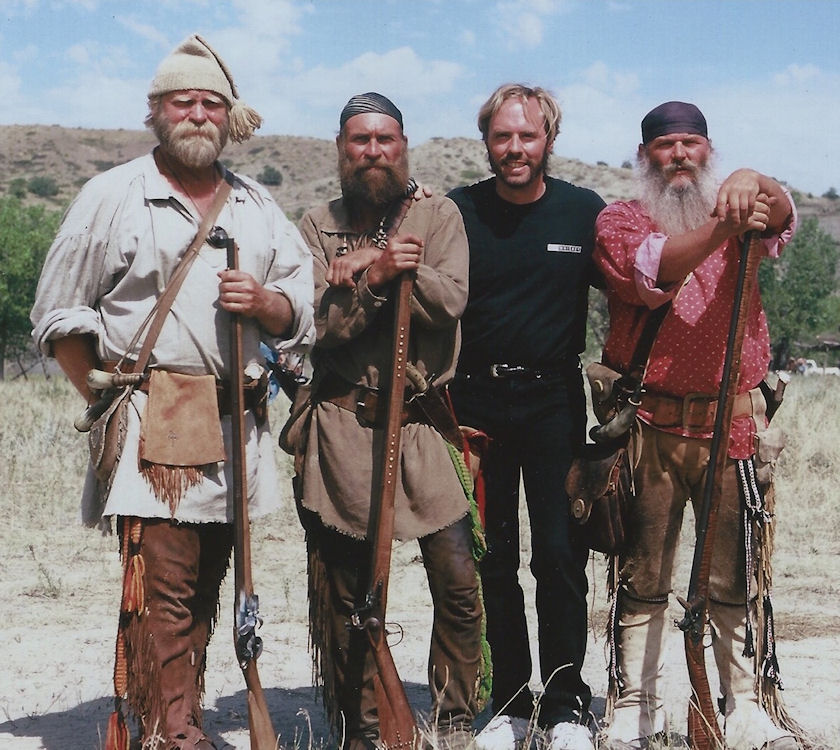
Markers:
point(796, 289)
point(25, 236)
point(270, 176)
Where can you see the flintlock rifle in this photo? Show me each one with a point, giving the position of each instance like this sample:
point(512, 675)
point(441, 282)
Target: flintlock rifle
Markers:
point(397, 727)
point(246, 606)
point(703, 730)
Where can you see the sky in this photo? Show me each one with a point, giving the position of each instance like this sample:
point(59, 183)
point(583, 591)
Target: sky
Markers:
point(766, 73)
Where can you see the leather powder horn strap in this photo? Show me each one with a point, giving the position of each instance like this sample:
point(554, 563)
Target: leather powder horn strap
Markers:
point(641, 354)
point(164, 302)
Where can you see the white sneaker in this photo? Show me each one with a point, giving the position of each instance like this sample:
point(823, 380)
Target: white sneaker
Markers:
point(503, 732)
point(569, 736)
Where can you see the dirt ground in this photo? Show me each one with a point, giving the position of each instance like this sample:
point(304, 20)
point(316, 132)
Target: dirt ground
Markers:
point(60, 592)
point(58, 628)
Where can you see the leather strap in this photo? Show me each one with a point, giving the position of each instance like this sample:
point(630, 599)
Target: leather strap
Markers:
point(367, 404)
point(695, 411)
point(164, 302)
point(641, 354)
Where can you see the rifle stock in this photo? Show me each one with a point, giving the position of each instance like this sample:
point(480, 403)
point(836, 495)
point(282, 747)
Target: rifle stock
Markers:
point(703, 730)
point(246, 607)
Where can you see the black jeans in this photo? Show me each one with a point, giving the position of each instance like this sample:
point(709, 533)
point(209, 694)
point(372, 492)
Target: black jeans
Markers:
point(535, 426)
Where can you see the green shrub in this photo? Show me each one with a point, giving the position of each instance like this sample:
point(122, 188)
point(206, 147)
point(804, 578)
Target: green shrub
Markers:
point(472, 174)
point(43, 186)
point(17, 187)
point(270, 176)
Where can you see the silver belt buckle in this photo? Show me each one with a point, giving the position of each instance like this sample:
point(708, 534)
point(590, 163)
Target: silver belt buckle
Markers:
point(504, 370)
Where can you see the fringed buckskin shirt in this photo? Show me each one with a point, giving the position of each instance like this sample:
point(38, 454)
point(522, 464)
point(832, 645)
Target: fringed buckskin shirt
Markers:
point(355, 332)
point(687, 356)
point(118, 244)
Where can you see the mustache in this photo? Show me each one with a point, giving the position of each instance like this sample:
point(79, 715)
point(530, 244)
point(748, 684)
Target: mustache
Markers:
point(374, 171)
point(188, 130)
point(671, 169)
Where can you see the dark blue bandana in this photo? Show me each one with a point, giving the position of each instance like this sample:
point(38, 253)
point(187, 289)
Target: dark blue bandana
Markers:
point(673, 117)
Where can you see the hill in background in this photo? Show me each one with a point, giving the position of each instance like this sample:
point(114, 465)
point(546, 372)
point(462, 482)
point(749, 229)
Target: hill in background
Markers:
point(303, 169)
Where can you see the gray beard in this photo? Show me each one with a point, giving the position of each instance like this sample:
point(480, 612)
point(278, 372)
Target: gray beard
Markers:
point(676, 210)
point(193, 147)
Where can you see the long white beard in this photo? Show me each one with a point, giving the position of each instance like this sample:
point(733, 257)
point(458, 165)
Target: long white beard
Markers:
point(676, 210)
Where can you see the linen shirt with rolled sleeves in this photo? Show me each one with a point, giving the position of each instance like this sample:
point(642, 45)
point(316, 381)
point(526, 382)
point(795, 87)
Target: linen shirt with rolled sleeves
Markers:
point(687, 356)
point(115, 251)
point(355, 333)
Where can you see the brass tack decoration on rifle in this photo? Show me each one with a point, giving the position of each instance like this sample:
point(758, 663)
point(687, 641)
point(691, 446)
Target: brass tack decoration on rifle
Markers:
point(398, 728)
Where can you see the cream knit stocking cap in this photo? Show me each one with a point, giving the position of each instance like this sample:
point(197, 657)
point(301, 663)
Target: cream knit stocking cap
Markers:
point(193, 64)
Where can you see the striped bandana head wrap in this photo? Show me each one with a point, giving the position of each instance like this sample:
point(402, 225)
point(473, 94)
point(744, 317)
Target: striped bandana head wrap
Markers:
point(369, 102)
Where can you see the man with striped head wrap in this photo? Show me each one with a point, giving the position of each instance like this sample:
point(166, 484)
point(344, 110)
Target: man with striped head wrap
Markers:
point(358, 258)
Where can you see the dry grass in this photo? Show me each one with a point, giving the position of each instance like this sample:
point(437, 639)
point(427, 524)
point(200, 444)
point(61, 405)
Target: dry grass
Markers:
point(60, 586)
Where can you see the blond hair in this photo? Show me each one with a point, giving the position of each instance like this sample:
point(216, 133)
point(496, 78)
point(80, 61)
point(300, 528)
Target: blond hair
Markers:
point(549, 107)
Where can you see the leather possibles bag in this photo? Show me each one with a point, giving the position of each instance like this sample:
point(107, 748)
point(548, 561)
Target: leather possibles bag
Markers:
point(600, 480)
point(107, 436)
point(601, 493)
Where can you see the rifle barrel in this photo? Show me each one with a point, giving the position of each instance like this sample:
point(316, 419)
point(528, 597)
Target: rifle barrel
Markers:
point(246, 616)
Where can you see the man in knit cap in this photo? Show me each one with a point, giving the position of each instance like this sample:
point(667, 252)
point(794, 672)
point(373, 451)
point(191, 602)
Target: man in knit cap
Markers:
point(678, 244)
point(115, 252)
point(359, 256)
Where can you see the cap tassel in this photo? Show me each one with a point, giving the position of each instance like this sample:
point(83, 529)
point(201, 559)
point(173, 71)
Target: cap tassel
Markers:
point(243, 122)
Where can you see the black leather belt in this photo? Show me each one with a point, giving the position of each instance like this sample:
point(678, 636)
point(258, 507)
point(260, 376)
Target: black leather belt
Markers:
point(505, 371)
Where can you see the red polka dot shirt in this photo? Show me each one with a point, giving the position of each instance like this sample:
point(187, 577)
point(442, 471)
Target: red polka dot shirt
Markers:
point(687, 356)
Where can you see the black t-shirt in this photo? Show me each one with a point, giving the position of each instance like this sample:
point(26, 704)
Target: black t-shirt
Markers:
point(530, 272)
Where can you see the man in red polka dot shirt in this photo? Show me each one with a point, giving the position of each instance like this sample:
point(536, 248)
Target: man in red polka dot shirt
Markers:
point(679, 242)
